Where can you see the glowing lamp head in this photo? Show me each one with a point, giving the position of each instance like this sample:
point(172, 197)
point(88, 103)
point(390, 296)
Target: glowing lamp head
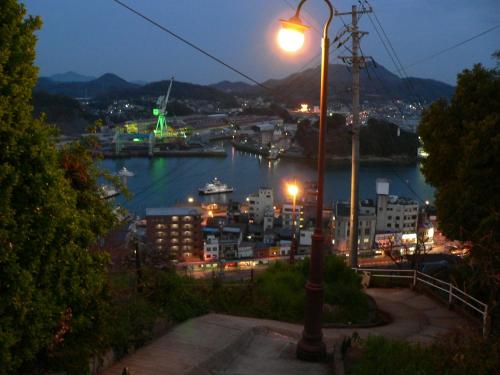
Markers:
point(291, 34)
point(293, 190)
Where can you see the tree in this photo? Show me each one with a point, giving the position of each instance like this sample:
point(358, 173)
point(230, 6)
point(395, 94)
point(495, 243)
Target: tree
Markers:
point(463, 141)
point(53, 294)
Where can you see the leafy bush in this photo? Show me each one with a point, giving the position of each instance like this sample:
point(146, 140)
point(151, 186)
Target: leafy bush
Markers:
point(279, 293)
point(180, 298)
point(132, 324)
point(460, 353)
point(382, 357)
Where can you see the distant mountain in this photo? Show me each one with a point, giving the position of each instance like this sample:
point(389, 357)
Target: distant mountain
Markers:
point(233, 87)
point(110, 86)
point(62, 111)
point(70, 77)
point(184, 90)
point(377, 83)
point(139, 82)
point(106, 85)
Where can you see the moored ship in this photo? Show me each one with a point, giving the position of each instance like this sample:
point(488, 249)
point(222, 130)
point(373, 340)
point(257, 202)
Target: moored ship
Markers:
point(215, 187)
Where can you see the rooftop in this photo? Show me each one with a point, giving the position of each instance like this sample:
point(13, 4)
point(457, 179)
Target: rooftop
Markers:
point(173, 211)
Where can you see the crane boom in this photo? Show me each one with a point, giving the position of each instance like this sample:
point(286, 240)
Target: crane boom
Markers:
point(165, 102)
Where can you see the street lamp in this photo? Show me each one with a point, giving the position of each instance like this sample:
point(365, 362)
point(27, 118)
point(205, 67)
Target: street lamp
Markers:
point(311, 346)
point(293, 190)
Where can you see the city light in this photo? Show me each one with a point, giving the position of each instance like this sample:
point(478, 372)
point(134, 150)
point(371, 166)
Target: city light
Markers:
point(292, 189)
point(291, 35)
point(190, 199)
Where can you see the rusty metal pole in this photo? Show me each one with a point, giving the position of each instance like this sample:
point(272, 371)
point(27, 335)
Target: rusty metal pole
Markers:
point(353, 234)
point(294, 234)
point(311, 346)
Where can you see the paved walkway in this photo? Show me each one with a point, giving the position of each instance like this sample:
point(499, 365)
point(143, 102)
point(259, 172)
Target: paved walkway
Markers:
point(223, 344)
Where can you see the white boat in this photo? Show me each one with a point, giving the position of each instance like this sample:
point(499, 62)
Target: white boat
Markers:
point(124, 172)
point(215, 187)
point(108, 191)
point(274, 154)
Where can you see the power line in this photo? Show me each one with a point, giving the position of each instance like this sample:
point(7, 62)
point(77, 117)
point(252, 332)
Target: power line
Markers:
point(389, 48)
point(177, 36)
point(453, 46)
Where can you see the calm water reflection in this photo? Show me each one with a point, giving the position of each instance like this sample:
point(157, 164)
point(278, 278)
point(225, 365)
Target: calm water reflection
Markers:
point(170, 180)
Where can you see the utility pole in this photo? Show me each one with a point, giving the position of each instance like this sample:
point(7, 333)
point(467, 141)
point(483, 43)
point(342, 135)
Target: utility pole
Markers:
point(356, 60)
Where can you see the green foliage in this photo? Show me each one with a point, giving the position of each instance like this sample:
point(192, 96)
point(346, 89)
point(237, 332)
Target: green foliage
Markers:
point(463, 142)
point(459, 353)
point(279, 293)
point(132, 324)
point(178, 297)
point(379, 138)
point(53, 293)
point(382, 356)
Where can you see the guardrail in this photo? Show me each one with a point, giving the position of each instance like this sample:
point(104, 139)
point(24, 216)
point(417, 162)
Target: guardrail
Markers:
point(451, 292)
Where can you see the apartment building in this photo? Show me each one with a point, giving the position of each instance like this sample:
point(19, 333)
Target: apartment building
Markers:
point(395, 214)
point(175, 230)
point(366, 225)
point(259, 204)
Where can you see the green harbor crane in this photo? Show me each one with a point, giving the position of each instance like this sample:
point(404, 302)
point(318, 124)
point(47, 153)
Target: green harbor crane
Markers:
point(161, 111)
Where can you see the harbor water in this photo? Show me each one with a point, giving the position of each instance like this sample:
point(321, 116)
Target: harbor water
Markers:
point(165, 181)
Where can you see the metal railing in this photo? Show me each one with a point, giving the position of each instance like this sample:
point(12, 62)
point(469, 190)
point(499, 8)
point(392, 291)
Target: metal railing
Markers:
point(448, 290)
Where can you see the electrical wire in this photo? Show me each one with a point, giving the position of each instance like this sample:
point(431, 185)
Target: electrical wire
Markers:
point(453, 46)
point(177, 36)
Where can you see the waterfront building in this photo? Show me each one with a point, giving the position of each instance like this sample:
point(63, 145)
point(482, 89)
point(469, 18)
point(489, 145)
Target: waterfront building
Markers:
point(342, 223)
point(395, 214)
point(268, 219)
point(230, 238)
point(175, 230)
point(305, 237)
point(284, 248)
point(245, 249)
point(259, 204)
point(308, 201)
point(211, 248)
point(287, 216)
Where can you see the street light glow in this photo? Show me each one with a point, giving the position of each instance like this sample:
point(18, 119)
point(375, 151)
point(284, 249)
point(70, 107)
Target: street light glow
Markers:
point(291, 35)
point(293, 190)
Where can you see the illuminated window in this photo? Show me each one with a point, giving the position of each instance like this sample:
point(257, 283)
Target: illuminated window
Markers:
point(186, 218)
point(174, 234)
point(187, 226)
point(174, 240)
point(159, 240)
point(187, 234)
point(160, 226)
point(175, 218)
point(161, 234)
point(174, 226)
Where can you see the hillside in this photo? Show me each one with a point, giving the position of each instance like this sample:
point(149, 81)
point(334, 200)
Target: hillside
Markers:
point(110, 86)
point(62, 111)
point(377, 84)
point(107, 85)
point(70, 77)
point(377, 139)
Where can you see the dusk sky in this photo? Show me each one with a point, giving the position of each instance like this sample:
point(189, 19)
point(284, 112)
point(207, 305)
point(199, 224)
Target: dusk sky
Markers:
point(93, 37)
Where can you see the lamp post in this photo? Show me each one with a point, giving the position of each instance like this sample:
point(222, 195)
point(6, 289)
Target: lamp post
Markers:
point(311, 346)
point(293, 190)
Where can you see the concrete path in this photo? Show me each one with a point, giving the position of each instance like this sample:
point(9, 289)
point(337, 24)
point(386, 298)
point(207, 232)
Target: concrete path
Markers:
point(223, 344)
